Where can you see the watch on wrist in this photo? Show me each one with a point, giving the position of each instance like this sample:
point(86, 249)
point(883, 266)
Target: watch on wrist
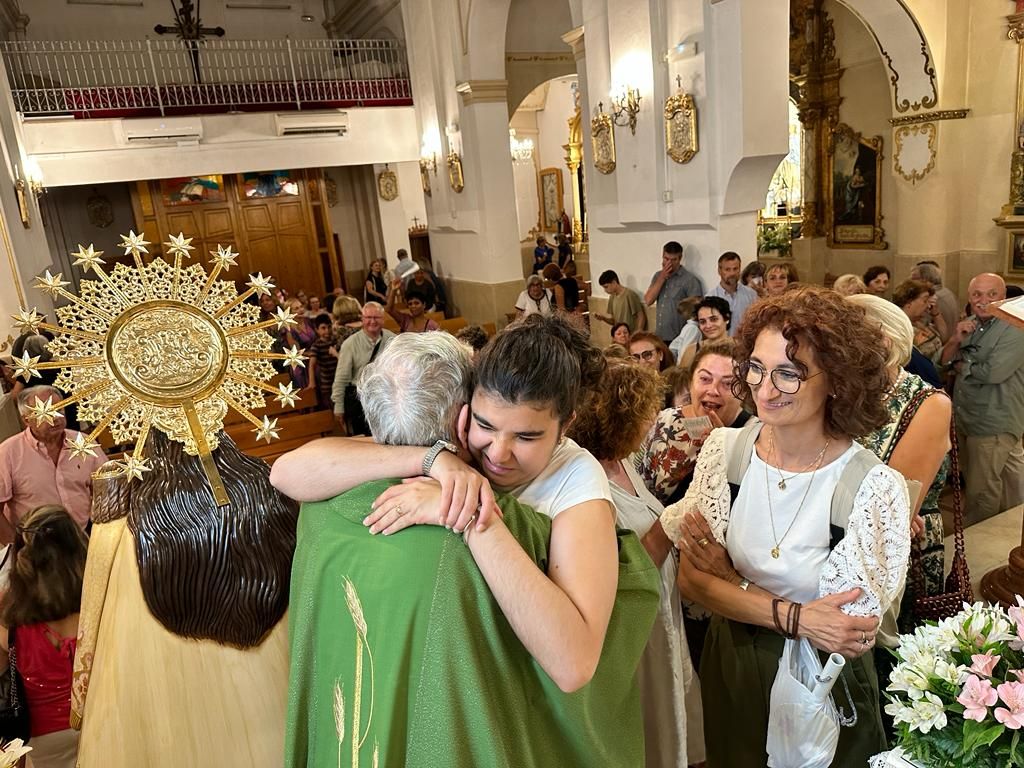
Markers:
point(434, 452)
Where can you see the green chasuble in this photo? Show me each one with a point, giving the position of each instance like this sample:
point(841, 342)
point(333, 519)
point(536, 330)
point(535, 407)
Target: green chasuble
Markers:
point(400, 655)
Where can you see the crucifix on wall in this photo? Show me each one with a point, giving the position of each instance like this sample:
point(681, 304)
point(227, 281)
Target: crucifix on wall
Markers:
point(189, 27)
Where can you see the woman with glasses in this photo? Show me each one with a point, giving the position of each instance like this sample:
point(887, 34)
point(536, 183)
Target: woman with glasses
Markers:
point(770, 564)
point(39, 613)
point(649, 350)
point(713, 318)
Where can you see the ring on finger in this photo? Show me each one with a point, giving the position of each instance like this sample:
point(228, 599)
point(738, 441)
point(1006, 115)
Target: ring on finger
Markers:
point(863, 637)
point(703, 542)
point(398, 510)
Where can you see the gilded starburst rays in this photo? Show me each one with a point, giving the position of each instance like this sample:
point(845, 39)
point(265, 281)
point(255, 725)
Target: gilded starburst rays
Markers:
point(159, 344)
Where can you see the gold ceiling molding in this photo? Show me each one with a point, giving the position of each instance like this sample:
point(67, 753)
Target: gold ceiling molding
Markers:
point(930, 117)
point(538, 57)
point(482, 91)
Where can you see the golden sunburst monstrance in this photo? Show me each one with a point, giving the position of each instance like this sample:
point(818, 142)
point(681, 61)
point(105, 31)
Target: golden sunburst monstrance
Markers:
point(162, 345)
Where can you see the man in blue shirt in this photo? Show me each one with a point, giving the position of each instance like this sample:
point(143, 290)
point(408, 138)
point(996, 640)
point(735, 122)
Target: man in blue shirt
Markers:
point(729, 288)
point(668, 285)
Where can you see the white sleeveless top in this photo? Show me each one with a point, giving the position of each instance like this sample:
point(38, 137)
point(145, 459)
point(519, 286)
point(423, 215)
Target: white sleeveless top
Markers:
point(803, 551)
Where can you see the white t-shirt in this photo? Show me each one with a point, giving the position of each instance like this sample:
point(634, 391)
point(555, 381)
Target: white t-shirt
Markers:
point(530, 306)
point(803, 551)
point(572, 477)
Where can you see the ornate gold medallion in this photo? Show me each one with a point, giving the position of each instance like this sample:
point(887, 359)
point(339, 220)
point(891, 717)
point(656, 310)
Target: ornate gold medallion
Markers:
point(163, 345)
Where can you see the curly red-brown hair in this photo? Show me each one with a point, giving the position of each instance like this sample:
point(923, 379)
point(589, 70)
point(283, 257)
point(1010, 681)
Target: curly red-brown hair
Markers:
point(615, 417)
point(848, 348)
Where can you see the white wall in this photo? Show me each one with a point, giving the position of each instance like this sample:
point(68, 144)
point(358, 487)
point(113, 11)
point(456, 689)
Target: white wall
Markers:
point(553, 133)
point(57, 20)
point(93, 151)
point(396, 216)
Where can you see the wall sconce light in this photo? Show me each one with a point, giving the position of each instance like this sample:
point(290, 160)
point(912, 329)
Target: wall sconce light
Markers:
point(428, 162)
point(625, 107)
point(455, 177)
point(521, 149)
point(23, 187)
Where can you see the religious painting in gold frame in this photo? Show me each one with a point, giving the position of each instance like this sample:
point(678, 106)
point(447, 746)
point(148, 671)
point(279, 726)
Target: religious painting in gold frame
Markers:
point(549, 185)
point(387, 184)
point(602, 138)
point(681, 127)
point(1015, 252)
point(853, 206)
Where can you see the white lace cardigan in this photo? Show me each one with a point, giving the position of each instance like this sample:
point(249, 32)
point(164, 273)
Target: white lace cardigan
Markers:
point(872, 556)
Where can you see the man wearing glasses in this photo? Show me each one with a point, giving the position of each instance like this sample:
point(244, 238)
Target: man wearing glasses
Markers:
point(356, 352)
point(988, 401)
point(668, 285)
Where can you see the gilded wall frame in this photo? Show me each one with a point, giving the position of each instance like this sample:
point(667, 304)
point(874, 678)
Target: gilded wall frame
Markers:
point(549, 187)
point(914, 151)
point(602, 137)
point(1014, 252)
point(681, 127)
point(853, 205)
point(387, 184)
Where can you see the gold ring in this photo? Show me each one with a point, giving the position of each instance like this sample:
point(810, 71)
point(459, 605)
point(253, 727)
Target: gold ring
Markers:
point(863, 637)
point(398, 510)
point(703, 542)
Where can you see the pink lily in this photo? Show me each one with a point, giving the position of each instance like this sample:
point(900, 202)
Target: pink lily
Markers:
point(983, 663)
point(977, 696)
point(1012, 695)
point(1019, 674)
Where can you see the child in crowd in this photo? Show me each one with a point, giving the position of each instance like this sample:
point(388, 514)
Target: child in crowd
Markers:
point(323, 360)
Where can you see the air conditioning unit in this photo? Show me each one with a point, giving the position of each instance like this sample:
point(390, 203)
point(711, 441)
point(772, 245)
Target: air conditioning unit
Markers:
point(162, 131)
point(334, 123)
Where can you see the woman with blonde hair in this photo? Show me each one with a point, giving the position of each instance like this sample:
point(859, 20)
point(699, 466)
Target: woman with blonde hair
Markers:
point(345, 318)
point(778, 277)
point(39, 614)
point(849, 285)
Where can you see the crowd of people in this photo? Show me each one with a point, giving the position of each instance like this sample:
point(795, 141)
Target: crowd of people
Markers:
point(547, 550)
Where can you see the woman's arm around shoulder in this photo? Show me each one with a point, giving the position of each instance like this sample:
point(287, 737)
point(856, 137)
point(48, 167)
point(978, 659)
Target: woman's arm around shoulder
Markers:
point(708, 492)
point(561, 617)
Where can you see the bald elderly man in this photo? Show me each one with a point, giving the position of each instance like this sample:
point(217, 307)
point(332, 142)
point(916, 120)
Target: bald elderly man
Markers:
point(988, 400)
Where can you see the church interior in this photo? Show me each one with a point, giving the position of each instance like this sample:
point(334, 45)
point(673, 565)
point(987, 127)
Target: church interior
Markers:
point(315, 137)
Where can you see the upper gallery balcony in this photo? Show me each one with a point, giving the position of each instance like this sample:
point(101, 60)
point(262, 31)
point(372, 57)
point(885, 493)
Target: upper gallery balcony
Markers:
point(140, 78)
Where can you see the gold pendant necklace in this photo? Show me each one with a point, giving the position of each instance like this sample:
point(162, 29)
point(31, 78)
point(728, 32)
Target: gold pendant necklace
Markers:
point(776, 462)
point(776, 551)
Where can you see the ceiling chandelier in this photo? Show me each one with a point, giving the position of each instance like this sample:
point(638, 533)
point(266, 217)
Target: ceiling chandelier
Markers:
point(521, 149)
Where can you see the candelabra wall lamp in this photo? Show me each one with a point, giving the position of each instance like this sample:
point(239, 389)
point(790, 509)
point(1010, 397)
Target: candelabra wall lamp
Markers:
point(33, 185)
point(625, 107)
point(428, 164)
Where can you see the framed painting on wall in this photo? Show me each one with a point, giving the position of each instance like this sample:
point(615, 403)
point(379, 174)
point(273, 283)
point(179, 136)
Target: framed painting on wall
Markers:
point(549, 181)
point(187, 190)
point(258, 184)
point(1015, 252)
point(854, 202)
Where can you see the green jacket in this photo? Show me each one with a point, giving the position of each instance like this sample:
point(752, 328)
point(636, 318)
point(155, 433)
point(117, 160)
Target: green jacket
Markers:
point(406, 631)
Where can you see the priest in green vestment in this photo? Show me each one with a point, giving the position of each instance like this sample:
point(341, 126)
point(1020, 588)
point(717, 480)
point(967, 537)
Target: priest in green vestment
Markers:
point(400, 655)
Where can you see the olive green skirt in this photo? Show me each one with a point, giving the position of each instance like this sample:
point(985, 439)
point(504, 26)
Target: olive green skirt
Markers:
point(737, 670)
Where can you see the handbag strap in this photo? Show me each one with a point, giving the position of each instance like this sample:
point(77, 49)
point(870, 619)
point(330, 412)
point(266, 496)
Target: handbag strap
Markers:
point(959, 548)
point(908, 416)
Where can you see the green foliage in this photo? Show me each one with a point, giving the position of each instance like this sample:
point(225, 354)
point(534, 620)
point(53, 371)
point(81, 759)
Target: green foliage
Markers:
point(774, 237)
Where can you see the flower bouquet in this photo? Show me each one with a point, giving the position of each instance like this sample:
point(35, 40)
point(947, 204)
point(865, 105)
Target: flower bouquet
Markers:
point(957, 691)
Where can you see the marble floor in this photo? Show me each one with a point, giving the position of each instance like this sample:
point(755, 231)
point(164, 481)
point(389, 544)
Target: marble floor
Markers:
point(988, 543)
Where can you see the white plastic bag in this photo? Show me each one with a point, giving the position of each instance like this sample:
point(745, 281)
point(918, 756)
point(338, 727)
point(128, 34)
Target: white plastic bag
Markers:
point(803, 728)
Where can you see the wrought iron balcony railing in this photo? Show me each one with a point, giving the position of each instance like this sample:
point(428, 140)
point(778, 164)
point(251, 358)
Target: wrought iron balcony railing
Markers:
point(132, 78)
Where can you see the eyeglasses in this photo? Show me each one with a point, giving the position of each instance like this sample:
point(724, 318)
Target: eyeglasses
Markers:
point(647, 355)
point(786, 381)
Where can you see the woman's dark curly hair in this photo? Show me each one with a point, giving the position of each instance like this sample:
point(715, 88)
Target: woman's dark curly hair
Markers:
point(614, 418)
point(835, 332)
point(541, 360)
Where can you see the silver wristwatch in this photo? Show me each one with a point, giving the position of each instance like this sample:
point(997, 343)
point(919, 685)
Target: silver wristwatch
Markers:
point(434, 452)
